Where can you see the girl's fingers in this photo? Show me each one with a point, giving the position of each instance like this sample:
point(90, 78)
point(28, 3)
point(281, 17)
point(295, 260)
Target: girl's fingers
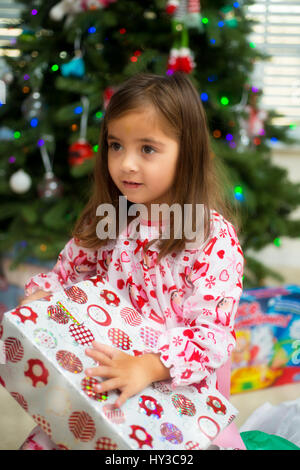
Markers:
point(101, 371)
point(98, 356)
point(104, 348)
point(122, 398)
point(107, 385)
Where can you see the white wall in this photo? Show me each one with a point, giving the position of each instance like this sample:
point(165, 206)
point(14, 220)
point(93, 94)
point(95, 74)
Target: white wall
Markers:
point(286, 258)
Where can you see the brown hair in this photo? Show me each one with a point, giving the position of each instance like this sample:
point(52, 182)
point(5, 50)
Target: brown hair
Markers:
point(200, 175)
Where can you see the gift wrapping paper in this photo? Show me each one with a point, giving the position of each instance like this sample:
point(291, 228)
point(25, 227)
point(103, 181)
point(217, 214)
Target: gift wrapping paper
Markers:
point(267, 328)
point(45, 344)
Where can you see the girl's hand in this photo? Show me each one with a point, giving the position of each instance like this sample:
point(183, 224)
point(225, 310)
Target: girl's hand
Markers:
point(37, 295)
point(130, 374)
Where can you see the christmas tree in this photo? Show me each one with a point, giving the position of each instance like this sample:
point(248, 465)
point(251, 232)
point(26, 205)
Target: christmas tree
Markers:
point(73, 55)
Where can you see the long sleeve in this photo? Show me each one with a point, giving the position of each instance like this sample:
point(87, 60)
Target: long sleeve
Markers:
point(205, 342)
point(74, 264)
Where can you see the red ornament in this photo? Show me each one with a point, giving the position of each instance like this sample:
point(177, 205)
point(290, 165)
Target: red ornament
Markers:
point(110, 90)
point(79, 152)
point(181, 60)
point(172, 6)
point(186, 64)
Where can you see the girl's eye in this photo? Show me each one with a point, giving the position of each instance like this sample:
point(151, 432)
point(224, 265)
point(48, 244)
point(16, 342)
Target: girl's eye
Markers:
point(149, 150)
point(148, 147)
point(112, 145)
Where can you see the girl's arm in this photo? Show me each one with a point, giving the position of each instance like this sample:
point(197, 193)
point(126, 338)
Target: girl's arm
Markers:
point(205, 342)
point(74, 264)
point(39, 294)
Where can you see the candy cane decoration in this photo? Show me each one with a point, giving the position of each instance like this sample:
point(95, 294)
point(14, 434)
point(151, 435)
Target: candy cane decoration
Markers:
point(67, 312)
point(194, 6)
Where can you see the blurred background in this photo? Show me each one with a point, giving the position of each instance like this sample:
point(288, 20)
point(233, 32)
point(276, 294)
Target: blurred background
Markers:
point(61, 61)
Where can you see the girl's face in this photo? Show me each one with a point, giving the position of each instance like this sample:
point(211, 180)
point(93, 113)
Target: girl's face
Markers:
point(139, 151)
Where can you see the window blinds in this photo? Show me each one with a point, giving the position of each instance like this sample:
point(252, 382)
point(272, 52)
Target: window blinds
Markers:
point(9, 29)
point(278, 34)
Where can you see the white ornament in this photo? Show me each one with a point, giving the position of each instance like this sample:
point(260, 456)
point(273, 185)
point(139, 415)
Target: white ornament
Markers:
point(20, 182)
point(65, 7)
point(70, 8)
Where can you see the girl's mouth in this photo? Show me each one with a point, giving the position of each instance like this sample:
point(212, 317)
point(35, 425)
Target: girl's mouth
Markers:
point(127, 184)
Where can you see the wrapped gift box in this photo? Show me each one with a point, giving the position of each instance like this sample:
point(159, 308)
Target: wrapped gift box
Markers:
point(267, 328)
point(45, 344)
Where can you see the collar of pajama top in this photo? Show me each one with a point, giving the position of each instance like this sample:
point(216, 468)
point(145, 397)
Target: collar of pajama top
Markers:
point(133, 240)
point(147, 230)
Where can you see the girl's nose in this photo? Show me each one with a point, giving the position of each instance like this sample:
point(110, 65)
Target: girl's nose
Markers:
point(129, 162)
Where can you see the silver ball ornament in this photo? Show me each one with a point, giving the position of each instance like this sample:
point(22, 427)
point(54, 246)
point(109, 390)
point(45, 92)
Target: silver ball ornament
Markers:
point(33, 106)
point(50, 187)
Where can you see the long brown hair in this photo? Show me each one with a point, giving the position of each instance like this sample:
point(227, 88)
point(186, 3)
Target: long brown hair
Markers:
point(200, 175)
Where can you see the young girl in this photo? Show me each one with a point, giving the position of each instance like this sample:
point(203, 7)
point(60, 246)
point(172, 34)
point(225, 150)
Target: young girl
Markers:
point(154, 148)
